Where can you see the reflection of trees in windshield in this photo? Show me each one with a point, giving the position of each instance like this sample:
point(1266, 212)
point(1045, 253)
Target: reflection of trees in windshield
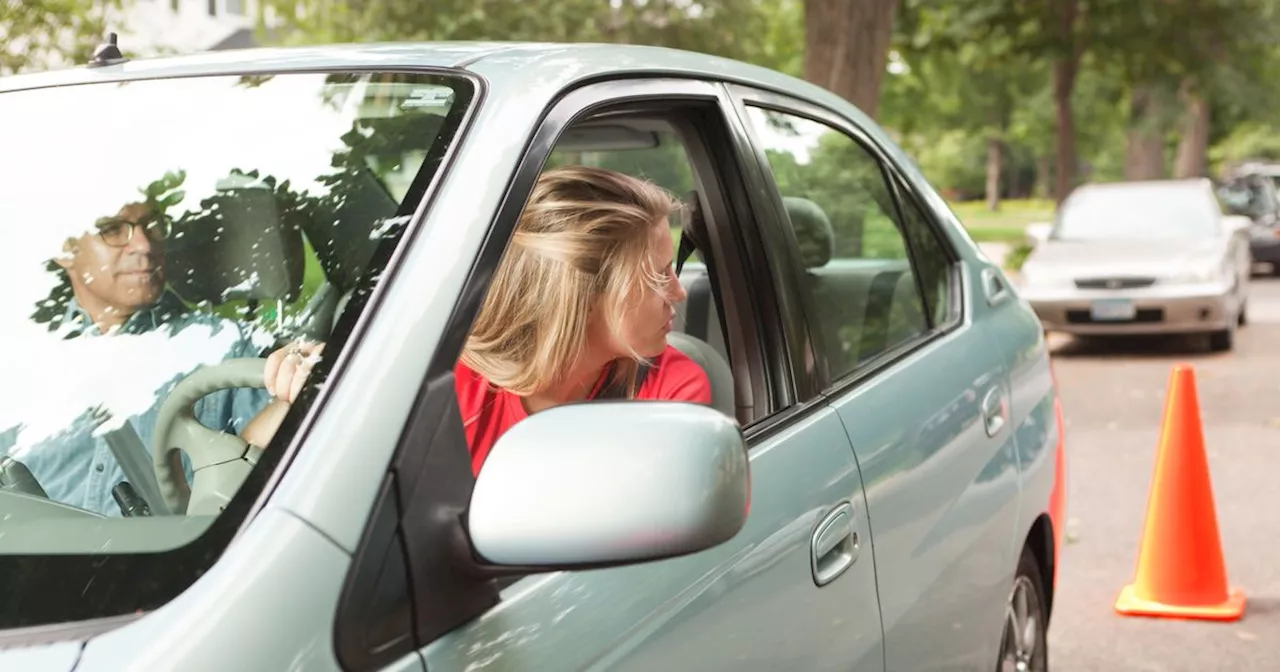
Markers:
point(258, 249)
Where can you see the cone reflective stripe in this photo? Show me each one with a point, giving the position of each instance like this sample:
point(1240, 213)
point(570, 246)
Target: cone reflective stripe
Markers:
point(1181, 571)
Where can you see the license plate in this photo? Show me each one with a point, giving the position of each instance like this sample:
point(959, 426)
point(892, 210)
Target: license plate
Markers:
point(1111, 310)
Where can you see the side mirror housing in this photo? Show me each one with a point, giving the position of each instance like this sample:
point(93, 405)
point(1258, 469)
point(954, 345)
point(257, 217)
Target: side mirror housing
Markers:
point(1038, 232)
point(605, 483)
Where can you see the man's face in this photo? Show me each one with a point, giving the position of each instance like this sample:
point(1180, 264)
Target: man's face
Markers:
point(117, 268)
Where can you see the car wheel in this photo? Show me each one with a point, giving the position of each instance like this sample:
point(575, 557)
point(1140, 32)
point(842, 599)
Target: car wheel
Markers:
point(1024, 646)
point(1222, 341)
point(1243, 317)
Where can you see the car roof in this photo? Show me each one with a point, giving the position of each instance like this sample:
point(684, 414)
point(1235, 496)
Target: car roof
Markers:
point(1188, 184)
point(534, 62)
point(534, 73)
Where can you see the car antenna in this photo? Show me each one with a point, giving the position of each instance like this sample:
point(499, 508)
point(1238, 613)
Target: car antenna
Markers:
point(108, 53)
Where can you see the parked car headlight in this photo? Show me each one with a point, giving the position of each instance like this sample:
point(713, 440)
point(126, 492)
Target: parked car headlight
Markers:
point(1198, 273)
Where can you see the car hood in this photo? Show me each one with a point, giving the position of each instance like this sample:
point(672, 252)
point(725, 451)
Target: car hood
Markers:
point(41, 657)
point(1122, 257)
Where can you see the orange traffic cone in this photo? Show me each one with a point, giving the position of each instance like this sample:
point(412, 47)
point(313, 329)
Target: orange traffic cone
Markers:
point(1181, 572)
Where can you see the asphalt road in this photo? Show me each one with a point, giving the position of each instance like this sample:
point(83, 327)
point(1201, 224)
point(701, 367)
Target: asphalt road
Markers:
point(1113, 396)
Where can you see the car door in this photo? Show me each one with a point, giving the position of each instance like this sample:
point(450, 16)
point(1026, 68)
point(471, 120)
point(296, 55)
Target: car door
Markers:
point(920, 383)
point(796, 587)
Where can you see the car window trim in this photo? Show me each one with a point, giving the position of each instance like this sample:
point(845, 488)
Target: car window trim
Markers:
point(744, 96)
point(782, 260)
point(955, 291)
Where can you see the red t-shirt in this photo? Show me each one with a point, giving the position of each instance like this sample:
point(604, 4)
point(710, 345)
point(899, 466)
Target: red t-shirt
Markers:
point(672, 377)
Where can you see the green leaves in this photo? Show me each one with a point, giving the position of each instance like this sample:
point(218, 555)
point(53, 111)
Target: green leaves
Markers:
point(46, 34)
point(165, 192)
point(767, 32)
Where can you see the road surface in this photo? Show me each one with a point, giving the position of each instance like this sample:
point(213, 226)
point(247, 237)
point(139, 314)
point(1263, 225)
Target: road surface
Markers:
point(1113, 394)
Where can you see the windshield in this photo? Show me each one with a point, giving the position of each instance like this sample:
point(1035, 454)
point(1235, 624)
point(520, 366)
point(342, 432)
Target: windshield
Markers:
point(163, 228)
point(1137, 212)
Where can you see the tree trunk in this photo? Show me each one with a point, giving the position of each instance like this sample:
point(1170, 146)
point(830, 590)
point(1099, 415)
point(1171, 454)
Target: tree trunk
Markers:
point(1194, 144)
point(1065, 67)
point(1044, 176)
point(995, 162)
point(1144, 150)
point(1064, 80)
point(847, 47)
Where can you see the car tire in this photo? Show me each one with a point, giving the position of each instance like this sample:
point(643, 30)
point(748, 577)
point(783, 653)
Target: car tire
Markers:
point(1024, 645)
point(1243, 317)
point(1222, 341)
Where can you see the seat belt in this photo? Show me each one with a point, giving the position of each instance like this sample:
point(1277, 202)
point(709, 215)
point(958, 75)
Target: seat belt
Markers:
point(692, 235)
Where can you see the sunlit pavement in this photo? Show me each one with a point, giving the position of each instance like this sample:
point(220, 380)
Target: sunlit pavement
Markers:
point(1113, 393)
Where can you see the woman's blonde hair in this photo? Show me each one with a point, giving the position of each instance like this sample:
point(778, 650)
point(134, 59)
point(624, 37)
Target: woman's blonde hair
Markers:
point(583, 237)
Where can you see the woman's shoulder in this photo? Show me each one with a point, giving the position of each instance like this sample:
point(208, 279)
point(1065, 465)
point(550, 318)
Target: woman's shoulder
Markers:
point(470, 385)
point(673, 357)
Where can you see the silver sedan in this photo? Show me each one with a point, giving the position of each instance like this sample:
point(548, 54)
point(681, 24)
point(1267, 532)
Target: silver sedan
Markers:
point(1156, 257)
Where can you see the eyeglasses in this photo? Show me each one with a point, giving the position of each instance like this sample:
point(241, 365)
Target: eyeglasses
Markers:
point(118, 232)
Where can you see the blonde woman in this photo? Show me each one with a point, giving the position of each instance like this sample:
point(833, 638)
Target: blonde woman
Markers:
point(579, 308)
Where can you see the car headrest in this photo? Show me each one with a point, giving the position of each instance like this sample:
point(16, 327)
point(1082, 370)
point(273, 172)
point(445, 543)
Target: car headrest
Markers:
point(237, 247)
point(358, 212)
point(814, 234)
point(346, 237)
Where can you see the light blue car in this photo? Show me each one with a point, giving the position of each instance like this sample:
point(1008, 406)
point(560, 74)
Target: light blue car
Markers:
point(878, 484)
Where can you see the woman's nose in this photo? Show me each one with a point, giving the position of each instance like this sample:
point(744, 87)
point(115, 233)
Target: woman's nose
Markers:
point(676, 290)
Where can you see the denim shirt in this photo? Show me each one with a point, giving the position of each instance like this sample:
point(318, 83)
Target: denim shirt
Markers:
point(76, 466)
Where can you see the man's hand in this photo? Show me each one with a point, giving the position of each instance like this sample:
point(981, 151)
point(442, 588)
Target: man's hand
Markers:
point(285, 374)
point(288, 368)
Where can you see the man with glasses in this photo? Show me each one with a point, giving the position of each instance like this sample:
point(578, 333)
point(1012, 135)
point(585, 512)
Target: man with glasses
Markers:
point(116, 282)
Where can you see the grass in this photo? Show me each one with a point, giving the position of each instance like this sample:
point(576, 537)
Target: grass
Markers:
point(1006, 225)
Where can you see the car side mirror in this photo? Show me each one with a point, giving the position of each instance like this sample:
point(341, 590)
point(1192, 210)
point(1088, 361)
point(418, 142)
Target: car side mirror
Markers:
point(610, 483)
point(1038, 232)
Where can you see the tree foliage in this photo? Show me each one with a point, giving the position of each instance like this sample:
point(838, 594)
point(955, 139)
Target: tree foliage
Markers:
point(751, 30)
point(44, 34)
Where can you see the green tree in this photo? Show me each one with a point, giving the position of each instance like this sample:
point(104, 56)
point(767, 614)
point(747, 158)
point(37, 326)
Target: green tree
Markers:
point(45, 34)
point(731, 28)
point(954, 85)
point(846, 47)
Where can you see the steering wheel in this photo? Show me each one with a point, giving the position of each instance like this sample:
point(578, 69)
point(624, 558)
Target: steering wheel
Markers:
point(220, 461)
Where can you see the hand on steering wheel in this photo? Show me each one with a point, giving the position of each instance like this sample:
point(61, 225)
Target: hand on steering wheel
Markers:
point(287, 369)
point(221, 460)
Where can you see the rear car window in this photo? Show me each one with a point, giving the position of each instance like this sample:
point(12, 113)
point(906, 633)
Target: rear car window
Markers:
point(157, 229)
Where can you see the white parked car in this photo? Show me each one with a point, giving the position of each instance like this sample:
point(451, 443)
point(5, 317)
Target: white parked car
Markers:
point(1142, 257)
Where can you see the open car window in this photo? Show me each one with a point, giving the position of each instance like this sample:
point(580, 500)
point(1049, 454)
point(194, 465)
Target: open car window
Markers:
point(162, 228)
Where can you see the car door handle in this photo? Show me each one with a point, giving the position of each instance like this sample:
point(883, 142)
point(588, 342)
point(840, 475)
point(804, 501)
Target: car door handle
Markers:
point(994, 286)
point(834, 546)
point(994, 410)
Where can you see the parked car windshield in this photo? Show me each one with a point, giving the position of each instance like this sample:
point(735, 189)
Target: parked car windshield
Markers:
point(158, 228)
point(1137, 212)
point(1247, 196)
